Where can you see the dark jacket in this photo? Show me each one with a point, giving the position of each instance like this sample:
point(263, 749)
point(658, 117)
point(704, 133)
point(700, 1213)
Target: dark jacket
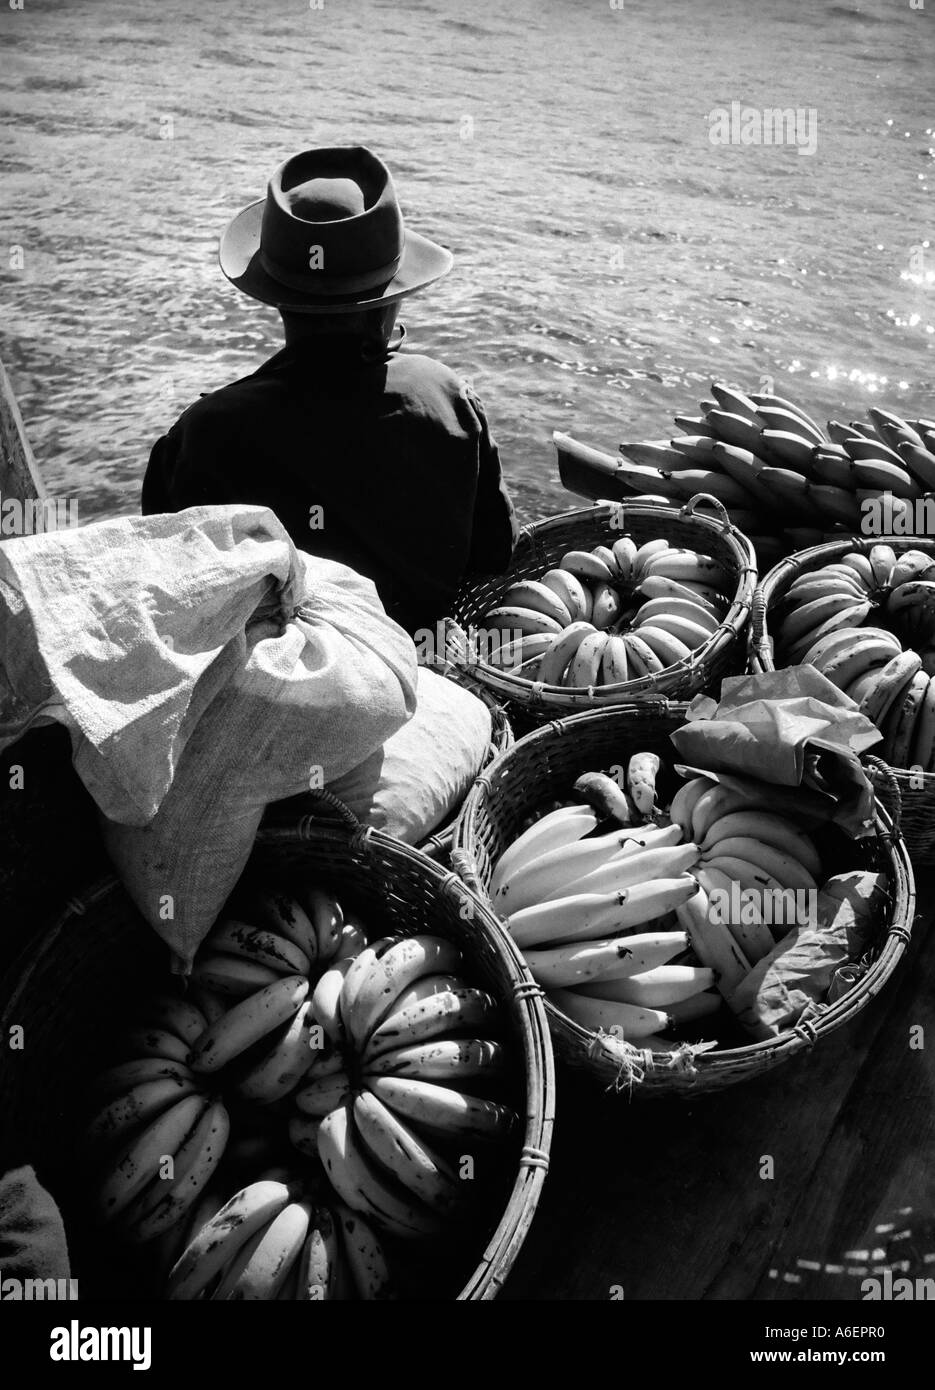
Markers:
point(396, 454)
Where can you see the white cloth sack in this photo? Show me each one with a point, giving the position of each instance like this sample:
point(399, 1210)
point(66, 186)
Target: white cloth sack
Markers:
point(422, 774)
point(204, 667)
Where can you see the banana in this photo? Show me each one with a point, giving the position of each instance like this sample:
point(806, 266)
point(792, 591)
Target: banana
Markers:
point(221, 1290)
point(563, 649)
point(833, 643)
point(326, 1000)
point(860, 687)
point(216, 1243)
point(837, 505)
point(579, 917)
point(164, 1203)
point(179, 1016)
point(646, 552)
point(553, 831)
point(138, 1107)
point(902, 721)
point(712, 943)
point(858, 448)
point(735, 429)
point(734, 402)
point(326, 916)
point(793, 452)
point(357, 1182)
point(809, 616)
point(670, 649)
point(685, 801)
point(692, 631)
point(569, 589)
point(882, 562)
point(624, 549)
point(886, 423)
point(358, 972)
point(614, 959)
point(324, 1094)
point(365, 1257)
point(776, 419)
point(440, 1111)
point(272, 1260)
point(539, 598)
point(862, 567)
point(845, 667)
point(659, 586)
point(393, 1146)
point(746, 926)
point(850, 618)
point(248, 1021)
point(779, 403)
point(522, 621)
point(638, 864)
point(660, 456)
point(751, 877)
point(235, 938)
point(396, 971)
point(654, 989)
point(606, 608)
point(233, 976)
point(830, 579)
point(699, 1006)
point(720, 485)
point(625, 1021)
point(641, 659)
point(770, 830)
point(694, 424)
point(284, 1065)
point(615, 668)
point(450, 1060)
point(833, 467)
point(282, 914)
point(454, 1011)
point(687, 566)
point(893, 680)
point(789, 487)
point(779, 864)
point(586, 567)
point(320, 1259)
point(604, 552)
point(920, 462)
point(138, 1162)
point(585, 667)
point(913, 594)
point(657, 610)
point(718, 801)
point(912, 564)
point(118, 1081)
point(923, 742)
point(879, 475)
point(211, 1005)
point(303, 1133)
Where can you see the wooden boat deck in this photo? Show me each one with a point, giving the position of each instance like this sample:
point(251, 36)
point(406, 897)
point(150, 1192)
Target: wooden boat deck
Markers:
point(796, 1186)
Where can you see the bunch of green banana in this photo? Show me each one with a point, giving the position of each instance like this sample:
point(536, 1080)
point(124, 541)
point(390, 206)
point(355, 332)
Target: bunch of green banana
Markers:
point(408, 1043)
point(272, 1240)
point(821, 622)
point(776, 470)
point(610, 615)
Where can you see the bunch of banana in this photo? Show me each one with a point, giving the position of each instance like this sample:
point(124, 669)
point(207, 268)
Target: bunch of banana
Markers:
point(591, 908)
point(821, 623)
point(406, 1050)
point(774, 468)
point(280, 936)
point(272, 1240)
point(158, 1134)
point(610, 615)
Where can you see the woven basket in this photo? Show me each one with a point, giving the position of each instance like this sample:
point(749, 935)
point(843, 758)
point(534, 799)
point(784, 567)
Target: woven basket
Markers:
point(72, 990)
point(916, 790)
point(541, 547)
point(541, 769)
point(321, 806)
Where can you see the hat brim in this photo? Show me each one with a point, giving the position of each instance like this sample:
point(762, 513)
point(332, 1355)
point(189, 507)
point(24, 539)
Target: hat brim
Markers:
point(238, 254)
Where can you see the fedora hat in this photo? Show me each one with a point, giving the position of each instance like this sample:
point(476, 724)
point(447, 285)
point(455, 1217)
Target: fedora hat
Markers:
point(329, 237)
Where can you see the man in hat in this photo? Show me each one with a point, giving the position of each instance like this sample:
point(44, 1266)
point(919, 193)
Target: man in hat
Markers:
point(378, 458)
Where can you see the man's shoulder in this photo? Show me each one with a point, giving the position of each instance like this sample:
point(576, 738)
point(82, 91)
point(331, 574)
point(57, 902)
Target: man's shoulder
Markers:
point(426, 381)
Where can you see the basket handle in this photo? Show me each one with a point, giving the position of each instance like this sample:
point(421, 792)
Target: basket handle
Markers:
point(758, 637)
point(329, 802)
point(465, 866)
point(883, 775)
point(705, 499)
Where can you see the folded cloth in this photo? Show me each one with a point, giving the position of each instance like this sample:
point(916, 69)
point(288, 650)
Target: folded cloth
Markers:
point(793, 728)
point(32, 1234)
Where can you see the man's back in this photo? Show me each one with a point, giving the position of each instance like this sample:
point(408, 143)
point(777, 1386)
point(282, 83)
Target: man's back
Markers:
point(387, 466)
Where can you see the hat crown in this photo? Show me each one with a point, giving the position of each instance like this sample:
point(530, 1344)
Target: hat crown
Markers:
point(332, 223)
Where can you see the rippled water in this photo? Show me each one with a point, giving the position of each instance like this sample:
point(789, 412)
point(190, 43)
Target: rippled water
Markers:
point(610, 259)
